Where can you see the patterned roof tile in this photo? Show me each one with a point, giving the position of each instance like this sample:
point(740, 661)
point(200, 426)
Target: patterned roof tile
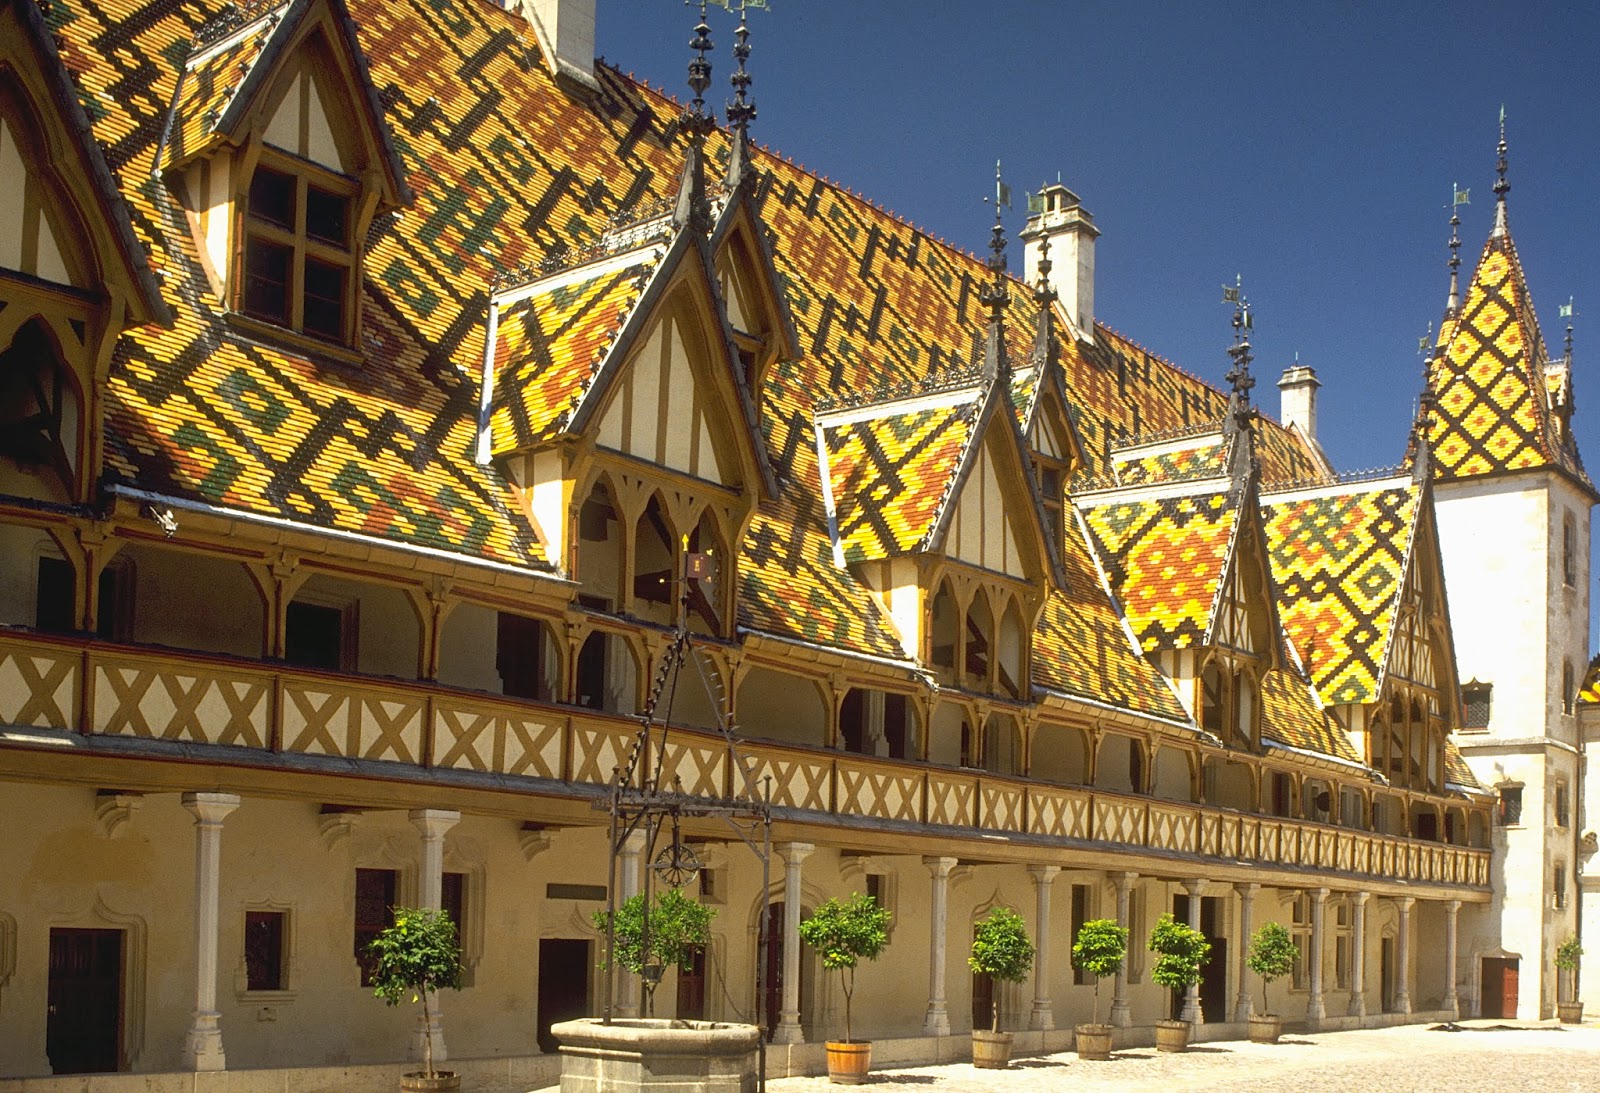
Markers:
point(1290, 715)
point(212, 75)
point(1200, 457)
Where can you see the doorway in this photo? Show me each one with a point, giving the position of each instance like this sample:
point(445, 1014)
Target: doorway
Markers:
point(772, 988)
point(1386, 975)
point(563, 985)
point(692, 986)
point(1214, 972)
point(1499, 992)
point(83, 1026)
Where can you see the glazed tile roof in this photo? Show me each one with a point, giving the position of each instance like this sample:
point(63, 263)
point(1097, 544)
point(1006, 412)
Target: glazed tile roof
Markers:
point(1163, 559)
point(1198, 457)
point(889, 475)
point(1290, 715)
point(550, 343)
point(1456, 771)
point(219, 60)
point(1339, 560)
point(1491, 384)
point(1589, 691)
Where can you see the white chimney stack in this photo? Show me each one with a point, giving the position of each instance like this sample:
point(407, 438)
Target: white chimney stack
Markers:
point(1071, 232)
point(565, 29)
point(1297, 405)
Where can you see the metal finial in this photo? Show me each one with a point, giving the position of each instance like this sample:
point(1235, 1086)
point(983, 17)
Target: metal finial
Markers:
point(1239, 377)
point(742, 111)
point(692, 209)
point(696, 120)
point(1458, 198)
point(994, 295)
point(1501, 186)
point(1427, 403)
point(1043, 291)
point(1567, 313)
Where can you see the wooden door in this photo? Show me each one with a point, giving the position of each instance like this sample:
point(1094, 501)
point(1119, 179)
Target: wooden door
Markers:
point(563, 992)
point(983, 1000)
point(772, 1001)
point(1386, 975)
point(1499, 987)
point(692, 987)
point(83, 1026)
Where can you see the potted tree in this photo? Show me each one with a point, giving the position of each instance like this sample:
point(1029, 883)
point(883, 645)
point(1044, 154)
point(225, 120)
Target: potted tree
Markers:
point(1181, 951)
point(843, 935)
point(1098, 951)
point(677, 926)
point(1567, 956)
point(1002, 950)
point(415, 956)
point(1271, 956)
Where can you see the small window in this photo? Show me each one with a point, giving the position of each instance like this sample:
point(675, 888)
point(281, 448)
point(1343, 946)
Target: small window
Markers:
point(1560, 886)
point(264, 950)
point(1281, 793)
point(297, 255)
point(1569, 686)
point(374, 911)
point(54, 595)
point(1510, 805)
point(1475, 698)
point(1562, 805)
point(1569, 552)
point(1080, 915)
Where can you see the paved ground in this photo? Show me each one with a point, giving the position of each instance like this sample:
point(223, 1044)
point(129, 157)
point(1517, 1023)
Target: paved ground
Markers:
point(1485, 1055)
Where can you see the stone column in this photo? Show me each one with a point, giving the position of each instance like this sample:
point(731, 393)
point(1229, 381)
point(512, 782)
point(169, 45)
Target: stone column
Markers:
point(1043, 1017)
point(1402, 957)
point(1121, 1012)
point(1191, 997)
point(789, 1031)
point(1243, 1004)
point(202, 1048)
point(627, 1000)
point(1451, 1001)
point(1358, 954)
point(937, 1020)
point(431, 824)
point(1315, 1011)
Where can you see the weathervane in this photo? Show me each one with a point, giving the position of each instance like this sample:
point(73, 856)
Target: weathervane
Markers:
point(1458, 198)
point(1568, 313)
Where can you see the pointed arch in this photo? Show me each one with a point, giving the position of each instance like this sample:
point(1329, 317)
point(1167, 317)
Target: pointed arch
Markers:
point(41, 416)
point(655, 555)
point(601, 548)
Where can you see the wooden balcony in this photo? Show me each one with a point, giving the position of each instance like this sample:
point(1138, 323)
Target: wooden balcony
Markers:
point(97, 689)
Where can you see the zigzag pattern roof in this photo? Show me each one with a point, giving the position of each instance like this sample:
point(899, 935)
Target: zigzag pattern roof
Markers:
point(212, 75)
point(1204, 456)
point(1490, 383)
point(549, 346)
point(1163, 559)
point(1339, 561)
point(889, 475)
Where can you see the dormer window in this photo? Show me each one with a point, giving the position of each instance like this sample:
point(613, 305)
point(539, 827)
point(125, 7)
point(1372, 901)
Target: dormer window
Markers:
point(298, 263)
point(1228, 701)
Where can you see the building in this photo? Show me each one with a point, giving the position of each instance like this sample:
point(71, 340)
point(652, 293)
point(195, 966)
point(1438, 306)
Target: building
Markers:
point(370, 373)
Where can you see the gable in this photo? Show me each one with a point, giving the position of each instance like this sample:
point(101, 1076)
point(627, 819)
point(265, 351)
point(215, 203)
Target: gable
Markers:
point(29, 224)
point(301, 122)
point(990, 524)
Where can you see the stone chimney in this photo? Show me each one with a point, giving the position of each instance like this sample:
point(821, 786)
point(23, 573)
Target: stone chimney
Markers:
point(565, 29)
point(1072, 233)
point(1297, 392)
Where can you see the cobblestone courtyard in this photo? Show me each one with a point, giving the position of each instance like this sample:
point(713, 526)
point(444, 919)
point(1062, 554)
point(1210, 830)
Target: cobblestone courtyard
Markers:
point(1526, 1057)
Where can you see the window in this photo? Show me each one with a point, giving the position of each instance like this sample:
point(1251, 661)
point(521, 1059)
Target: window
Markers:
point(1080, 915)
point(298, 264)
point(1475, 697)
point(320, 635)
point(1569, 552)
point(1227, 702)
point(1568, 686)
point(264, 950)
point(1510, 805)
point(1560, 886)
point(1282, 788)
point(942, 629)
point(520, 656)
point(1562, 806)
point(40, 419)
point(1300, 932)
point(375, 895)
point(1052, 489)
point(54, 594)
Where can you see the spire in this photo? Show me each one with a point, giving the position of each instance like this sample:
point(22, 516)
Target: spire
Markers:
point(742, 110)
point(1459, 197)
point(994, 295)
point(1567, 313)
point(692, 209)
point(1501, 186)
point(1427, 403)
point(1240, 417)
point(1046, 346)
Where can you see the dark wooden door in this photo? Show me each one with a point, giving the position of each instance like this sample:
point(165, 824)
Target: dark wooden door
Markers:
point(772, 1000)
point(1499, 987)
point(982, 1000)
point(692, 987)
point(83, 1027)
point(1386, 975)
point(563, 985)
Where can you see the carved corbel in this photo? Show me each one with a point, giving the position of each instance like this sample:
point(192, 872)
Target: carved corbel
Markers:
point(113, 809)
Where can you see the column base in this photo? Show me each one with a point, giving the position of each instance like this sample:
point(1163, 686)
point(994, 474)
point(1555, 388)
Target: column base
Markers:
point(1402, 1003)
point(1315, 1009)
point(789, 1032)
point(1453, 1004)
point(424, 1032)
point(202, 1047)
point(1122, 1014)
point(1043, 1017)
point(1358, 1005)
point(937, 1021)
point(1243, 1008)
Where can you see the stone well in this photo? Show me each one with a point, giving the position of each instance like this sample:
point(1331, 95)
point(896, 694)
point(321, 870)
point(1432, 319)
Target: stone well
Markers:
point(657, 1054)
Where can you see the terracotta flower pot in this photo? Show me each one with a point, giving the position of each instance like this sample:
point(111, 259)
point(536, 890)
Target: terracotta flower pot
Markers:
point(849, 1061)
point(1093, 1041)
point(990, 1050)
point(443, 1081)
point(1173, 1035)
point(1570, 1013)
point(1265, 1028)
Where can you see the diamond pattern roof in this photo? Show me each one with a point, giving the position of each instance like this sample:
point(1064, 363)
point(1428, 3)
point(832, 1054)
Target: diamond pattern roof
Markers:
point(1290, 715)
point(212, 76)
point(1339, 562)
point(1203, 456)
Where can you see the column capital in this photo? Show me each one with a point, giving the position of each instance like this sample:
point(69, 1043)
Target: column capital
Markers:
point(1194, 887)
point(432, 823)
point(795, 853)
point(1043, 874)
point(941, 867)
point(1318, 895)
point(1452, 905)
point(1123, 879)
point(1405, 903)
point(210, 808)
point(1248, 888)
point(1360, 898)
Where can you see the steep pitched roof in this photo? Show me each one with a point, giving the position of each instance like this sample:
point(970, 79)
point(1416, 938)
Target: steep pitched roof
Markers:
point(1491, 383)
point(1191, 456)
point(1291, 716)
point(1339, 558)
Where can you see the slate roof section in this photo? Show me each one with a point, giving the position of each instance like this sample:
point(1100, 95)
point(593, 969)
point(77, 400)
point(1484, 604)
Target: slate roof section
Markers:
point(1491, 384)
point(1339, 560)
point(1163, 559)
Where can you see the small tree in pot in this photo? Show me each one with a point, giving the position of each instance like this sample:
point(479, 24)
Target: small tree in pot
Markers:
point(1098, 951)
point(1181, 951)
point(1002, 950)
point(1271, 956)
point(1568, 955)
point(844, 934)
point(678, 925)
point(412, 958)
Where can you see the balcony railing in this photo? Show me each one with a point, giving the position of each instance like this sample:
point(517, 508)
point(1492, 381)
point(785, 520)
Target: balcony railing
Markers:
point(92, 688)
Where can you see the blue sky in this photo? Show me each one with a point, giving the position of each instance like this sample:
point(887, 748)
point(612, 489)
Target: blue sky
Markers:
point(1310, 147)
